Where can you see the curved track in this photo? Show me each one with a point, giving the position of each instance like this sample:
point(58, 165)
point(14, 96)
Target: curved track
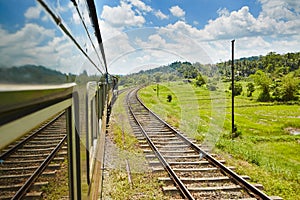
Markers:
point(192, 171)
point(25, 161)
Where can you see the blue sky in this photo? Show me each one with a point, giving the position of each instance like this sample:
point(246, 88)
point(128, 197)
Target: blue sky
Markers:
point(200, 11)
point(196, 30)
point(141, 34)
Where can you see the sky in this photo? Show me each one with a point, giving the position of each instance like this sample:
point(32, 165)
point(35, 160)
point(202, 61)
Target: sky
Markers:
point(142, 34)
point(199, 30)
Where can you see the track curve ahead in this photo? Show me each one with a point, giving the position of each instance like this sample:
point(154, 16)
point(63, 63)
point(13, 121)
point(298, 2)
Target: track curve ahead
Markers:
point(192, 171)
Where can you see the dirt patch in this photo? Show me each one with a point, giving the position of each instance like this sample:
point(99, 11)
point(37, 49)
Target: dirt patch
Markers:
point(293, 131)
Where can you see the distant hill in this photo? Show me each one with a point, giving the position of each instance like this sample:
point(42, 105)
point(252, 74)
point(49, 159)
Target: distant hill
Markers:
point(31, 74)
point(274, 64)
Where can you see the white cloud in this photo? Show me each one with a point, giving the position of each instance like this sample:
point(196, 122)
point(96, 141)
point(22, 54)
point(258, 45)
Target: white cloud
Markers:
point(237, 24)
point(242, 23)
point(61, 9)
point(33, 12)
point(177, 11)
point(161, 15)
point(140, 5)
point(157, 40)
point(280, 9)
point(153, 41)
point(76, 18)
point(117, 47)
point(180, 28)
point(122, 16)
point(40, 46)
point(29, 36)
point(223, 12)
point(168, 44)
point(182, 41)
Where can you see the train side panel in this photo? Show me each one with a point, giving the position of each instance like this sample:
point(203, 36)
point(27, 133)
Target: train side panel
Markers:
point(53, 42)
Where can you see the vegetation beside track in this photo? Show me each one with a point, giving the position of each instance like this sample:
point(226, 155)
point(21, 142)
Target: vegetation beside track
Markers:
point(58, 187)
point(144, 184)
point(264, 148)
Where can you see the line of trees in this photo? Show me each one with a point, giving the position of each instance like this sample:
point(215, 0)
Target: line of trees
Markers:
point(276, 76)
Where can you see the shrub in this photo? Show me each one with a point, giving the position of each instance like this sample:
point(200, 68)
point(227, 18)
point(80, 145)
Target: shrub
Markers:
point(289, 88)
point(169, 98)
point(263, 80)
point(236, 133)
point(199, 80)
point(238, 89)
point(250, 89)
point(212, 87)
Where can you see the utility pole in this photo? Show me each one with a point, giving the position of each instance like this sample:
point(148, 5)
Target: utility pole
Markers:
point(232, 87)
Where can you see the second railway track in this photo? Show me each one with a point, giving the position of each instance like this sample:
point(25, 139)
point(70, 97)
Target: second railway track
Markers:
point(192, 172)
point(22, 163)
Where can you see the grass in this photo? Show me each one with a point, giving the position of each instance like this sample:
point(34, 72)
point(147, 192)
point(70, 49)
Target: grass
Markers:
point(159, 103)
point(58, 187)
point(265, 150)
point(145, 186)
point(144, 183)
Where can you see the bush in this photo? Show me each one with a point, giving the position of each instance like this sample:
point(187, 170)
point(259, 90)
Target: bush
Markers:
point(199, 80)
point(236, 133)
point(238, 89)
point(169, 98)
point(212, 87)
point(264, 81)
point(250, 89)
point(264, 96)
point(289, 88)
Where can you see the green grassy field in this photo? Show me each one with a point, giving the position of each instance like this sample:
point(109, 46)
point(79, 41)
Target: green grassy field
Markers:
point(265, 149)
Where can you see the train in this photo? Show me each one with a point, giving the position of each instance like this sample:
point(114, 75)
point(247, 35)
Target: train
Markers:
point(53, 62)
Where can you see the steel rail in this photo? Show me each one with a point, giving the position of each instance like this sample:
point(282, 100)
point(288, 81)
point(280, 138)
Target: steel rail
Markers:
point(21, 143)
point(23, 190)
point(242, 182)
point(165, 164)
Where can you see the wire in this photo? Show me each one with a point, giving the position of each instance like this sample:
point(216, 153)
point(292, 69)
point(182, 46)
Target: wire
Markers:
point(65, 30)
point(94, 19)
point(85, 27)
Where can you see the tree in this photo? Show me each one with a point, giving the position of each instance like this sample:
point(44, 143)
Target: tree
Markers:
point(157, 77)
point(290, 86)
point(264, 82)
point(238, 89)
point(187, 70)
point(199, 80)
point(250, 89)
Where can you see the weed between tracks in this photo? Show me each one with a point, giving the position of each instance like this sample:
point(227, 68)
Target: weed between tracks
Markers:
point(265, 150)
point(144, 184)
point(58, 187)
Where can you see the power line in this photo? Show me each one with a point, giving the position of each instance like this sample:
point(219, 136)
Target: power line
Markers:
point(94, 19)
point(88, 34)
point(59, 23)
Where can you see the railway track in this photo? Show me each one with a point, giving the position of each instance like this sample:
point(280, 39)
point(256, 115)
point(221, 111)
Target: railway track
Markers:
point(192, 172)
point(22, 163)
